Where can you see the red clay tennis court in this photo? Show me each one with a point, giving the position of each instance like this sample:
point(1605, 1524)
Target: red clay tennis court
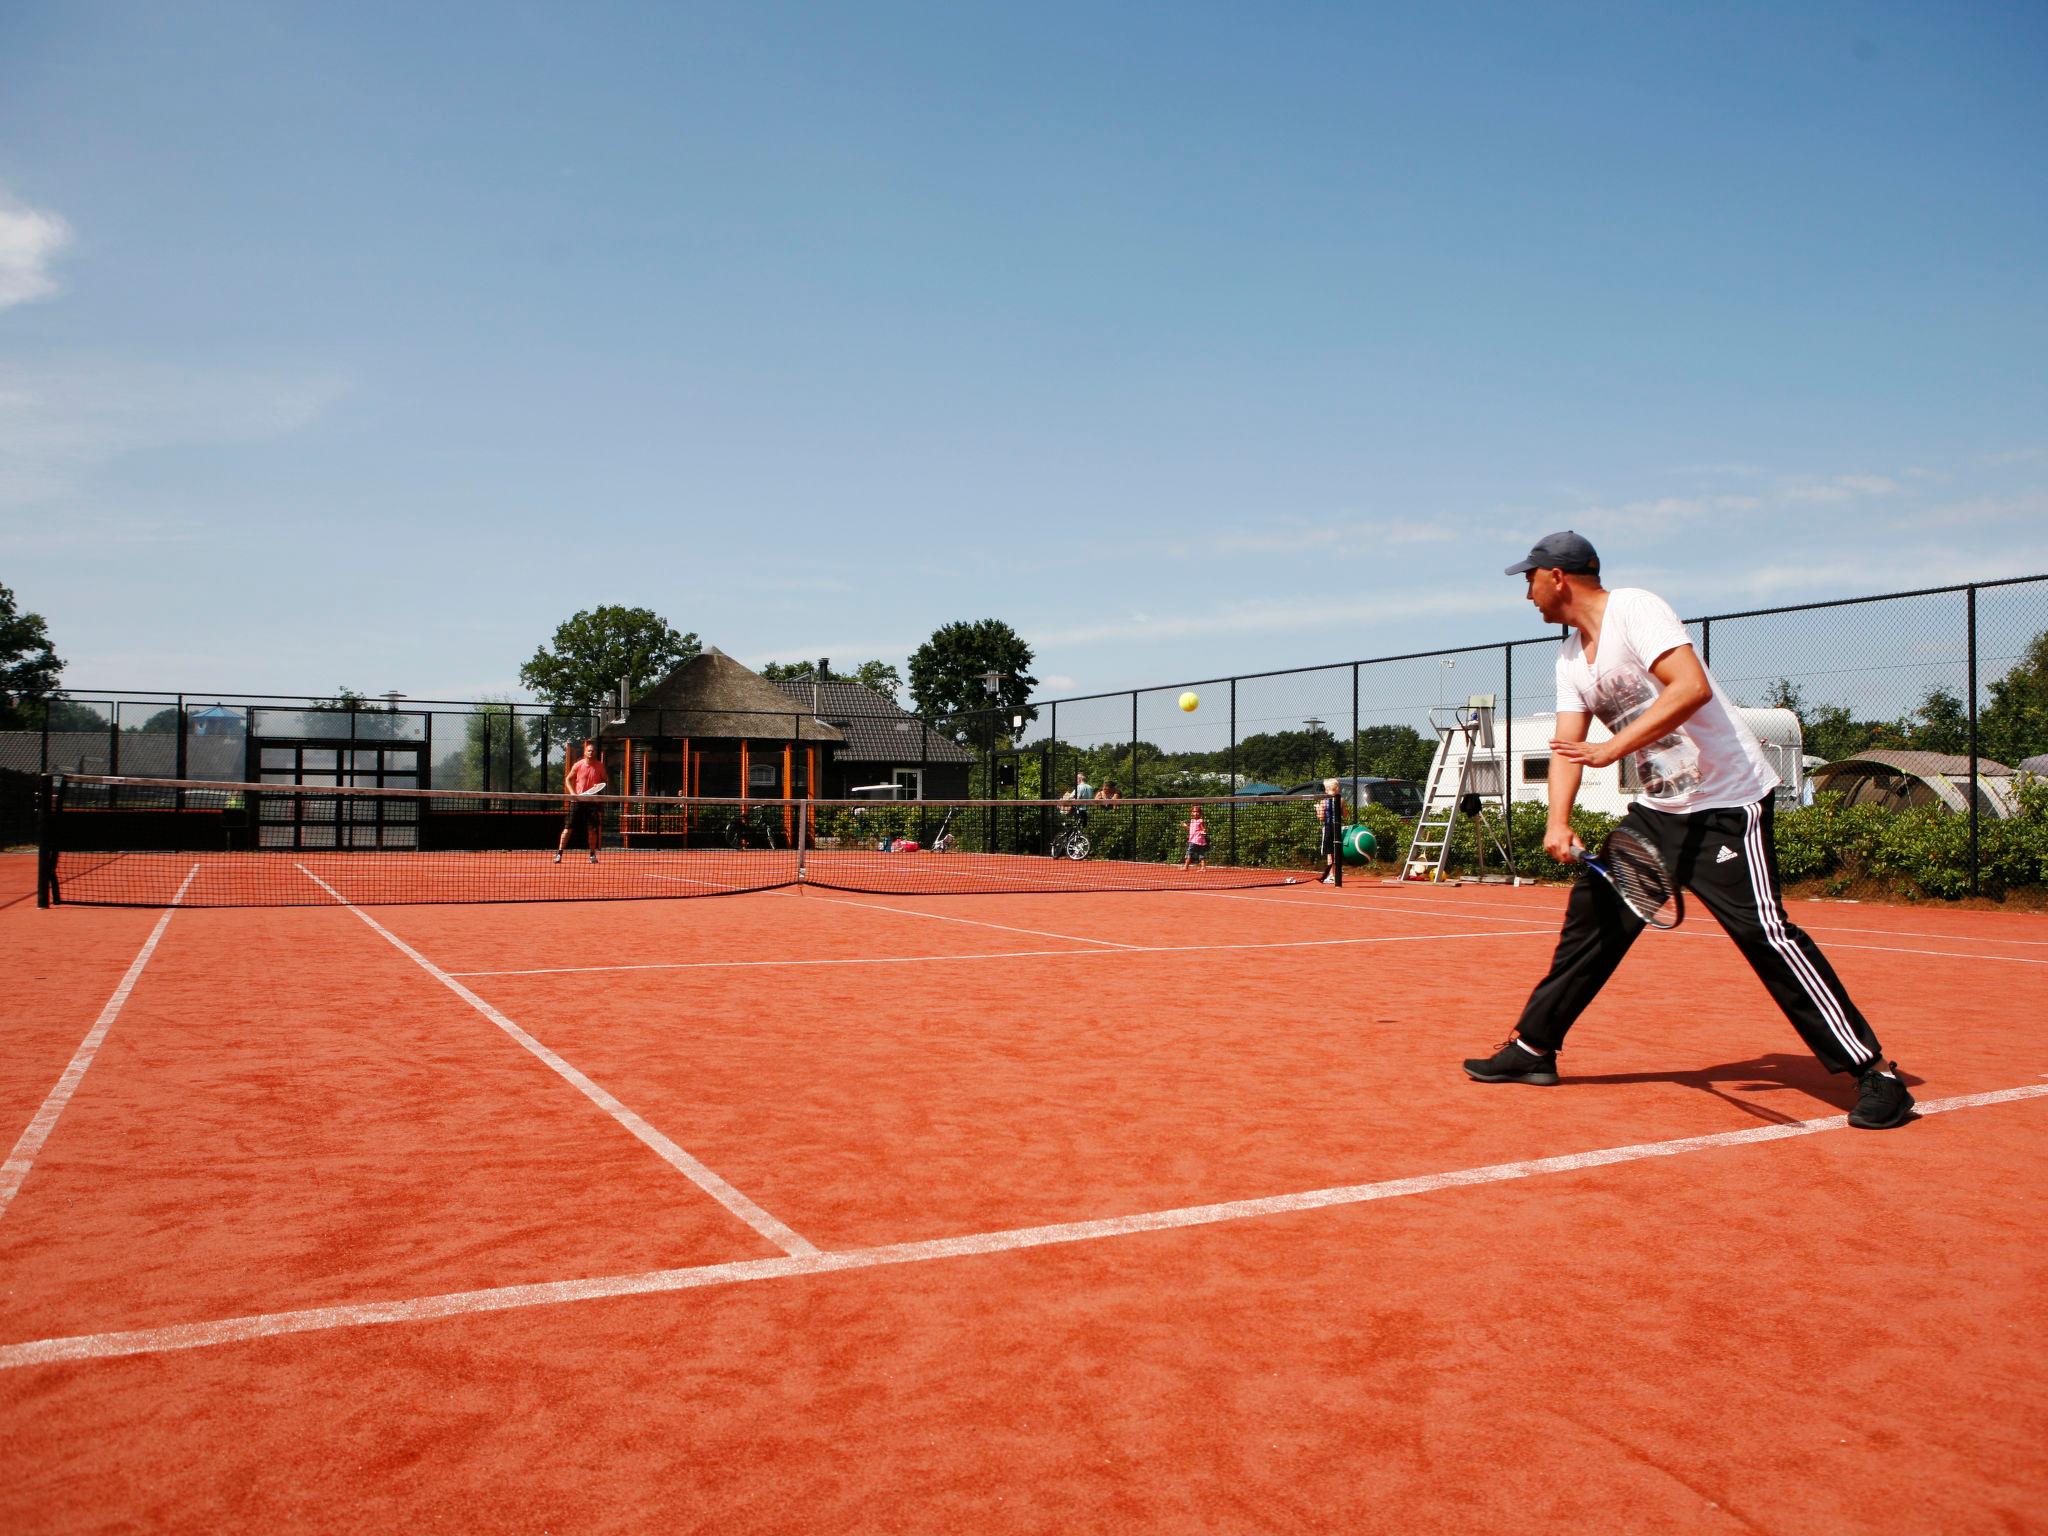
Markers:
point(829, 1211)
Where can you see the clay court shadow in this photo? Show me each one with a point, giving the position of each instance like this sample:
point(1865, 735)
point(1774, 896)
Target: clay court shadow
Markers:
point(1772, 1074)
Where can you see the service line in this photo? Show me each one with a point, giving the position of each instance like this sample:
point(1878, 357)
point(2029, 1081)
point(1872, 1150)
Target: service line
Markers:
point(689, 1167)
point(1010, 954)
point(23, 1157)
point(149, 1341)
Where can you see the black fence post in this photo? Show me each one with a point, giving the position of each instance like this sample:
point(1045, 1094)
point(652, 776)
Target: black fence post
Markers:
point(484, 723)
point(114, 737)
point(1134, 741)
point(1508, 766)
point(1354, 738)
point(180, 760)
point(1706, 642)
point(1233, 771)
point(1970, 608)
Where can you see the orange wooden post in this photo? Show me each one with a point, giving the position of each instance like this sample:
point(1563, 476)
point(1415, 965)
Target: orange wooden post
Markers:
point(788, 758)
point(626, 810)
point(689, 784)
point(745, 771)
point(811, 790)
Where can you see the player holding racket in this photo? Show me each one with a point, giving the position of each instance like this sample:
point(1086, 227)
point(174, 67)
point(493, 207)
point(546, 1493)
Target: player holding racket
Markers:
point(1704, 811)
point(584, 782)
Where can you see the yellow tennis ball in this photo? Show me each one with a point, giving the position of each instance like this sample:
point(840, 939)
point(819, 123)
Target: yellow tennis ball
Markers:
point(1188, 701)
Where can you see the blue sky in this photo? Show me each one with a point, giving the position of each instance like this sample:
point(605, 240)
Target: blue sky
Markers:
point(361, 344)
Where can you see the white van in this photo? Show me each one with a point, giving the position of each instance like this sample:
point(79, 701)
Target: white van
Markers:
point(1610, 789)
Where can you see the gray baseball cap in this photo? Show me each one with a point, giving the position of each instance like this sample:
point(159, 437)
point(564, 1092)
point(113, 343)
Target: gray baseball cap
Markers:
point(1559, 552)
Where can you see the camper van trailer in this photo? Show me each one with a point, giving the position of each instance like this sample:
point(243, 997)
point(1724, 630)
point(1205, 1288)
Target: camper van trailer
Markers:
point(1610, 789)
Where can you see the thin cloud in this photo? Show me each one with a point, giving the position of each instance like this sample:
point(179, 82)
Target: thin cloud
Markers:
point(1274, 616)
point(58, 423)
point(1297, 535)
point(30, 242)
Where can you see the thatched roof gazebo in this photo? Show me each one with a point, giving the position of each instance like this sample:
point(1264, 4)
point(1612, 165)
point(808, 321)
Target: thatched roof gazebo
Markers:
point(713, 728)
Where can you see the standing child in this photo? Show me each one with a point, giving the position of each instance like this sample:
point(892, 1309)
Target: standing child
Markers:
point(1198, 838)
point(1326, 814)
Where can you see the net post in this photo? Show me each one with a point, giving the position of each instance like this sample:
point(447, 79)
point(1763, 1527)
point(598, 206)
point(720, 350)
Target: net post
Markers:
point(803, 836)
point(46, 841)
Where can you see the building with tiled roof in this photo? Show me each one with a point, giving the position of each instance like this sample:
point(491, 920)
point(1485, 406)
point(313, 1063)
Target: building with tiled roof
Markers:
point(884, 743)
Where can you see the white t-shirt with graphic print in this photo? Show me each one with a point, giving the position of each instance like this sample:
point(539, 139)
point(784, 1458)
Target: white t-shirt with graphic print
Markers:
point(1711, 762)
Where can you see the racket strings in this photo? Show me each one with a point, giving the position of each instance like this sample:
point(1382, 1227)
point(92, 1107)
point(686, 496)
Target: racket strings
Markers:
point(1639, 874)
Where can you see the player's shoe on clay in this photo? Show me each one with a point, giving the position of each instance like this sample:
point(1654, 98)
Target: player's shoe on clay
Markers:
point(1881, 1099)
point(1515, 1062)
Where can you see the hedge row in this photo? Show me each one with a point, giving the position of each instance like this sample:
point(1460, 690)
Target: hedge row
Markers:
point(1863, 849)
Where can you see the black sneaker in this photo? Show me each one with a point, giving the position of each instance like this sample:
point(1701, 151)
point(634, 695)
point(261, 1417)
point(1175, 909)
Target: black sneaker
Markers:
point(1881, 1099)
point(1515, 1062)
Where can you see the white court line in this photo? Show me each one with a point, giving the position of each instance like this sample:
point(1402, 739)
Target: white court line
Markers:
point(1404, 900)
point(1682, 933)
point(688, 1166)
point(232, 1330)
point(23, 1157)
point(940, 917)
point(1005, 954)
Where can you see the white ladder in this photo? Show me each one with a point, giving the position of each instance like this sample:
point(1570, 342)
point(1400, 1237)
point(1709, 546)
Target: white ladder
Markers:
point(1463, 742)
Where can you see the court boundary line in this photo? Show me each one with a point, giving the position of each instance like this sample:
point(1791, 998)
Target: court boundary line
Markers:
point(1714, 932)
point(1006, 954)
point(14, 1172)
point(1416, 899)
point(180, 1336)
point(765, 1225)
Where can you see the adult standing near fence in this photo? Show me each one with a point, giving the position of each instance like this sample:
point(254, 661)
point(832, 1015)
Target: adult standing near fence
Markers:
point(1705, 805)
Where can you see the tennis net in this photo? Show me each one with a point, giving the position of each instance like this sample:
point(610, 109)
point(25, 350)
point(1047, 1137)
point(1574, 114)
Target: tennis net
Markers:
point(164, 842)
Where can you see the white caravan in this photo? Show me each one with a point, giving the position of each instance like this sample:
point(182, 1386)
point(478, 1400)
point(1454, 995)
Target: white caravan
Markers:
point(1610, 789)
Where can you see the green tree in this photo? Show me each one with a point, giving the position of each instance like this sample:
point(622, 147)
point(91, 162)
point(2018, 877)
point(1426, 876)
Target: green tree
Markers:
point(1940, 724)
point(374, 721)
point(881, 677)
point(877, 675)
point(595, 648)
point(28, 666)
point(1394, 752)
point(497, 752)
point(1828, 731)
point(947, 671)
point(2013, 724)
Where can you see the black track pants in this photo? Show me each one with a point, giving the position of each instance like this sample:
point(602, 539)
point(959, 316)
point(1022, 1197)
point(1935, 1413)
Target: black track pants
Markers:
point(1727, 860)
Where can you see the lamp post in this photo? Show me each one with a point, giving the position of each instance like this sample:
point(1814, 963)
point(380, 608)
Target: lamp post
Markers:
point(1315, 746)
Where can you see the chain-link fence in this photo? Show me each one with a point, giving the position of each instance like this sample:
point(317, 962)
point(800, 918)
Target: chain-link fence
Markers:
point(1910, 729)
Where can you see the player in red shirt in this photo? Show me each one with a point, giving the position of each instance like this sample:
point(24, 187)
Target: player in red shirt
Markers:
point(584, 782)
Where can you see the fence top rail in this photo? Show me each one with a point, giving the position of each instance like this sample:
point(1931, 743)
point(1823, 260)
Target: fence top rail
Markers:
point(378, 705)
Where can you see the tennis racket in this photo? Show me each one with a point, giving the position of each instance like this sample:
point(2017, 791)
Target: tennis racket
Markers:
point(1632, 866)
point(595, 789)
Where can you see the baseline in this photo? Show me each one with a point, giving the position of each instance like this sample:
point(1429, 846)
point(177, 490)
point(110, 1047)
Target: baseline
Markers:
point(142, 1341)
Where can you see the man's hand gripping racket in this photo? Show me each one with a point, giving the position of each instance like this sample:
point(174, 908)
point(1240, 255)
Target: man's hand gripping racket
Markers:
point(1632, 866)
